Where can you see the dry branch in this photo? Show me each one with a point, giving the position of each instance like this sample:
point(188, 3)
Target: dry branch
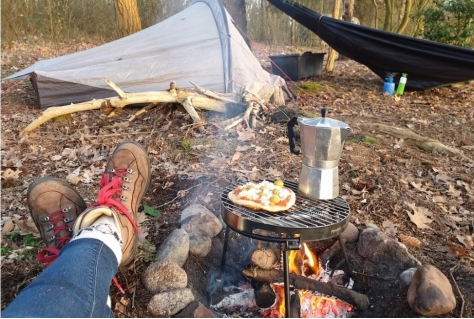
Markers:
point(411, 138)
point(299, 282)
point(123, 99)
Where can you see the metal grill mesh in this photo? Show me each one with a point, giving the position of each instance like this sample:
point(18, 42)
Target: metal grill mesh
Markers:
point(314, 218)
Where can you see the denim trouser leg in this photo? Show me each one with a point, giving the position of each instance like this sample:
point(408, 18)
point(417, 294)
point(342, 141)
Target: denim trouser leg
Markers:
point(77, 284)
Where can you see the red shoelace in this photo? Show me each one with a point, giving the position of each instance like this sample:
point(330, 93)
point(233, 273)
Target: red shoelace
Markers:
point(111, 189)
point(48, 255)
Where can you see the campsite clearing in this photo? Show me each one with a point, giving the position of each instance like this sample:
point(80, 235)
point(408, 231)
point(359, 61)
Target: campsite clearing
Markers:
point(383, 176)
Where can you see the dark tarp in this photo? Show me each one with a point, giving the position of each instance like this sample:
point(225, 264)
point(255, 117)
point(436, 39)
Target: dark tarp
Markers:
point(427, 63)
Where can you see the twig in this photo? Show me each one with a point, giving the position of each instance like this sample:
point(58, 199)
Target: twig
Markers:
point(133, 297)
point(11, 87)
point(457, 287)
point(178, 196)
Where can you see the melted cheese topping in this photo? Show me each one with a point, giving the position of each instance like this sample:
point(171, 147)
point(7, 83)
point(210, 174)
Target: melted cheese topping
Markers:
point(262, 192)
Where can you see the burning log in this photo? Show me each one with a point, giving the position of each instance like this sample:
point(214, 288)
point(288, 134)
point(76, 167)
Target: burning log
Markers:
point(329, 253)
point(264, 295)
point(299, 282)
point(265, 258)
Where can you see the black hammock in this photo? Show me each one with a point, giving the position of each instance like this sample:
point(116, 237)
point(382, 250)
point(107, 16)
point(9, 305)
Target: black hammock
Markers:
point(427, 63)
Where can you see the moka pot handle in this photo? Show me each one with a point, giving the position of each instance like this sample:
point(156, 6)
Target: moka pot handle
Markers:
point(291, 135)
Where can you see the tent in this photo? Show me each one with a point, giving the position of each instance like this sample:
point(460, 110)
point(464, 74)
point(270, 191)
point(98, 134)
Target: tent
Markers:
point(428, 63)
point(200, 44)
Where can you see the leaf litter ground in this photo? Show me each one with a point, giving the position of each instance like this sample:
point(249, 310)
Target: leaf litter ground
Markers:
point(422, 198)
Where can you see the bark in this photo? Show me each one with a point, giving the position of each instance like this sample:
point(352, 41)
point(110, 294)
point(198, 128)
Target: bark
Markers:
point(332, 52)
point(299, 282)
point(128, 19)
point(388, 15)
point(238, 12)
point(376, 19)
point(406, 17)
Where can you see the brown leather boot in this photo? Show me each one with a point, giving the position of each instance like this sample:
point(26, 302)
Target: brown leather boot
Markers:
point(123, 185)
point(54, 206)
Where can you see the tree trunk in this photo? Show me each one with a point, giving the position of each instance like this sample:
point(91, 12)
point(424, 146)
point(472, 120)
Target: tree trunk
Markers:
point(406, 17)
point(387, 26)
point(376, 13)
point(347, 16)
point(128, 19)
point(332, 52)
point(238, 12)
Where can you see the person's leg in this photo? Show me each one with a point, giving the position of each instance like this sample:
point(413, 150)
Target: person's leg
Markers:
point(105, 237)
point(77, 284)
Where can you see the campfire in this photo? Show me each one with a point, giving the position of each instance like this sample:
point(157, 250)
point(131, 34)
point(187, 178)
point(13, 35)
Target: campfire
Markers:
point(310, 292)
point(305, 303)
point(293, 264)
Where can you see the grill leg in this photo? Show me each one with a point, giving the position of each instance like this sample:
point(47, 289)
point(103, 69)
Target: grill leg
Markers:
point(286, 280)
point(224, 250)
point(344, 253)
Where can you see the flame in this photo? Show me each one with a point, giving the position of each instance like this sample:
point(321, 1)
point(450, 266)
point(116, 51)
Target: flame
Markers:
point(313, 260)
point(305, 262)
point(293, 267)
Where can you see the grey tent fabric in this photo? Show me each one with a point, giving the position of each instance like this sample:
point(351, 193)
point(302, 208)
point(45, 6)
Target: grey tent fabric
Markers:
point(200, 45)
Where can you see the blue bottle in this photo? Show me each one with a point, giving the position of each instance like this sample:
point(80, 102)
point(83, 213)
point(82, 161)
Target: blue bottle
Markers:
point(388, 86)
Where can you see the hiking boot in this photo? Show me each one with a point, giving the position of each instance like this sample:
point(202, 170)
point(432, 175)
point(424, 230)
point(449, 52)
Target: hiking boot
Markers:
point(54, 206)
point(123, 185)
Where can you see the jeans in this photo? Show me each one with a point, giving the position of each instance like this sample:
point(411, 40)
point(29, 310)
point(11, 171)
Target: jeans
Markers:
point(77, 284)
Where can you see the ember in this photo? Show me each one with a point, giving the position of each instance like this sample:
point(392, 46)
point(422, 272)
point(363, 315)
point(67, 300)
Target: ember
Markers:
point(311, 304)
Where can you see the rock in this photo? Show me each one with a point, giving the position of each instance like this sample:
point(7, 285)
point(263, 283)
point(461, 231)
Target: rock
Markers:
point(430, 292)
point(199, 244)
point(175, 247)
point(163, 276)
point(196, 310)
point(391, 256)
point(171, 302)
point(406, 277)
point(351, 233)
point(198, 219)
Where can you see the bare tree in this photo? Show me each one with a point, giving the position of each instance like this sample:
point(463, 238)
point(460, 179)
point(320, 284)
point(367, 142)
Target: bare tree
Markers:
point(128, 19)
point(238, 12)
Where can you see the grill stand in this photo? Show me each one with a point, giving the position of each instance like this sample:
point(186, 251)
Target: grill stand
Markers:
point(286, 245)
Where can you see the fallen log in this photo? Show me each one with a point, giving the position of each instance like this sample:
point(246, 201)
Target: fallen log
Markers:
point(191, 100)
point(299, 282)
point(411, 138)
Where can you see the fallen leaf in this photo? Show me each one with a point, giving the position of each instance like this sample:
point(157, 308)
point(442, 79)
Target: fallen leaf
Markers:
point(56, 158)
point(410, 241)
point(274, 172)
point(453, 192)
point(246, 135)
point(243, 148)
point(236, 157)
point(8, 226)
point(27, 226)
point(10, 174)
point(152, 211)
point(420, 216)
point(466, 241)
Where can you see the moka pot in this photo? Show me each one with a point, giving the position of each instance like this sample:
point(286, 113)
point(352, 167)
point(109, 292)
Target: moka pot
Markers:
point(322, 141)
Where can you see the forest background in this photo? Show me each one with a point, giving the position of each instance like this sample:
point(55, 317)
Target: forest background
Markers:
point(60, 21)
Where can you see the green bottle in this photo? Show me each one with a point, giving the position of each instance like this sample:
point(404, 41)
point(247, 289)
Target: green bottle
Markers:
point(401, 84)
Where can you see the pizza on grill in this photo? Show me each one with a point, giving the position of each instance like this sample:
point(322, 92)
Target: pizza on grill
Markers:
point(269, 196)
